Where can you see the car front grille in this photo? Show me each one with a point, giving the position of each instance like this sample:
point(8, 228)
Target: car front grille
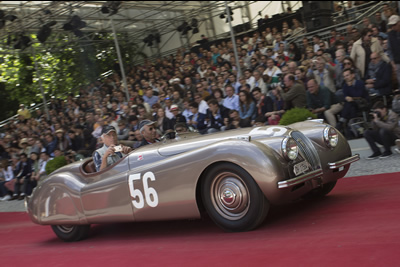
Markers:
point(306, 149)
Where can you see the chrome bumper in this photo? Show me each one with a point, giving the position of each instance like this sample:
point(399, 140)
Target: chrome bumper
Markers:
point(300, 179)
point(341, 163)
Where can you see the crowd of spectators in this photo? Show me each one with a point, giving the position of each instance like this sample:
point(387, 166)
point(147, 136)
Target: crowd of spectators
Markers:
point(200, 88)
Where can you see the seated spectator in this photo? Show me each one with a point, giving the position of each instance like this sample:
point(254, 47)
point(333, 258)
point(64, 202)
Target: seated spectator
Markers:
point(379, 76)
point(163, 124)
point(247, 106)
point(322, 102)
point(123, 132)
point(235, 122)
point(354, 92)
point(231, 100)
point(149, 97)
point(215, 117)
point(264, 103)
point(197, 120)
point(23, 174)
point(178, 117)
point(6, 176)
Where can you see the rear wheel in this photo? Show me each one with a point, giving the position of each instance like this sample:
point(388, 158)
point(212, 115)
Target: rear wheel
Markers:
point(71, 233)
point(233, 199)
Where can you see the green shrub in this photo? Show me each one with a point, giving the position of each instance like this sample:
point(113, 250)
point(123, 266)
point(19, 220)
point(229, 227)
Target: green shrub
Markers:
point(55, 163)
point(296, 115)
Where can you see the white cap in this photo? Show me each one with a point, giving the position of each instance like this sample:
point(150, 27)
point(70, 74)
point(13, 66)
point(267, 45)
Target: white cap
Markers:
point(393, 20)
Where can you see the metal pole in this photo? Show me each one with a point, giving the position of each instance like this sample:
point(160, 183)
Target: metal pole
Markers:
point(40, 84)
point(121, 65)
point(239, 71)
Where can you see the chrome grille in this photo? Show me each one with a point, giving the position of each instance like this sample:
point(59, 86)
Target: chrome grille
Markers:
point(306, 149)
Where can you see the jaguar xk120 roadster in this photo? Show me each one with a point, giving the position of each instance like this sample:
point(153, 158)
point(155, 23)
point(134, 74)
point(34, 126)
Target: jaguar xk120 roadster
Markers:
point(234, 176)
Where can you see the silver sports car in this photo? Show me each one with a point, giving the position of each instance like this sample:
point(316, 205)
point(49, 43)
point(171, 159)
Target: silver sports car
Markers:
point(234, 176)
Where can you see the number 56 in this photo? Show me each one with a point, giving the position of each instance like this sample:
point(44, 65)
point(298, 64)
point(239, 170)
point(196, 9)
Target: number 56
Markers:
point(150, 194)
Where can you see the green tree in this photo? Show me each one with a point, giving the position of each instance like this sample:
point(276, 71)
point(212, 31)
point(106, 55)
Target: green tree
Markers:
point(62, 68)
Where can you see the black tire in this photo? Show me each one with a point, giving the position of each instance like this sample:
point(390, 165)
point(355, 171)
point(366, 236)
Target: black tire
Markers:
point(243, 207)
point(320, 191)
point(71, 233)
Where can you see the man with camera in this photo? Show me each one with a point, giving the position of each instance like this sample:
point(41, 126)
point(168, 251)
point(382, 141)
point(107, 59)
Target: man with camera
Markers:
point(293, 93)
point(385, 130)
point(110, 152)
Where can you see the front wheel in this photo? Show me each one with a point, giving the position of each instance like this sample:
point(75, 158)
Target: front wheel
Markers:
point(233, 199)
point(71, 233)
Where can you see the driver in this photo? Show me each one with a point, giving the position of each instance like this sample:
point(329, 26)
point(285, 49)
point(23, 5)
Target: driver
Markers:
point(106, 155)
point(148, 131)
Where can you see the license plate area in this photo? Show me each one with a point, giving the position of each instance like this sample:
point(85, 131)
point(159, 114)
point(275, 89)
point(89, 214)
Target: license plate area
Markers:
point(300, 168)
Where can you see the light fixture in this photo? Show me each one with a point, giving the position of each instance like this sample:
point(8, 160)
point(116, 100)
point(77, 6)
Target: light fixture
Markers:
point(111, 7)
point(224, 15)
point(45, 31)
point(195, 26)
point(74, 25)
point(22, 42)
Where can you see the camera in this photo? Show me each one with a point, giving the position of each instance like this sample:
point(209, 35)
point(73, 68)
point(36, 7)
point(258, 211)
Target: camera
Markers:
point(118, 148)
point(378, 113)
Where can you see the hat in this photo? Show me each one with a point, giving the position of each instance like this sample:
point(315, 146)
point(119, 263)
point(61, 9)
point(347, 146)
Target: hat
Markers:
point(23, 141)
point(59, 131)
point(393, 20)
point(174, 107)
point(144, 123)
point(107, 128)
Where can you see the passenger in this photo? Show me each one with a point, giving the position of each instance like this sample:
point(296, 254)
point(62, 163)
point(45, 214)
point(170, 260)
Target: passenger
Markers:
point(107, 154)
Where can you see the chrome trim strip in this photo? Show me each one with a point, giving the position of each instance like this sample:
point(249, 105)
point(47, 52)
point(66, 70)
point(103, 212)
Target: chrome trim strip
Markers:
point(300, 179)
point(341, 163)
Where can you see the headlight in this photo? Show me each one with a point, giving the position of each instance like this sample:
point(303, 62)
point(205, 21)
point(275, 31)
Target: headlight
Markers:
point(289, 148)
point(331, 137)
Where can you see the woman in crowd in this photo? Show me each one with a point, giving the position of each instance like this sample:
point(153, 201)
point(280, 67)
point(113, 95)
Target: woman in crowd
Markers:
point(247, 106)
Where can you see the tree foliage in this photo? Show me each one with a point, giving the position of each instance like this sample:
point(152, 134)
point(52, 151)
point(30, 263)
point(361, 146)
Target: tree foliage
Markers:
point(62, 69)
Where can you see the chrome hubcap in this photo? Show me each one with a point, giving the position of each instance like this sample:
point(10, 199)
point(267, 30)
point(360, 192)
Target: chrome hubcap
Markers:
point(230, 196)
point(65, 228)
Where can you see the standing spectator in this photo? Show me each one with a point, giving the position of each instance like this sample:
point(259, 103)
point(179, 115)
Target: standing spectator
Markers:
point(362, 49)
point(385, 130)
point(294, 93)
point(394, 44)
point(323, 73)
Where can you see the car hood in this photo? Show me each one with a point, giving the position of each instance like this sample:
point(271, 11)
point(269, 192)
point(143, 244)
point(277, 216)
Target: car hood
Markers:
point(174, 147)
